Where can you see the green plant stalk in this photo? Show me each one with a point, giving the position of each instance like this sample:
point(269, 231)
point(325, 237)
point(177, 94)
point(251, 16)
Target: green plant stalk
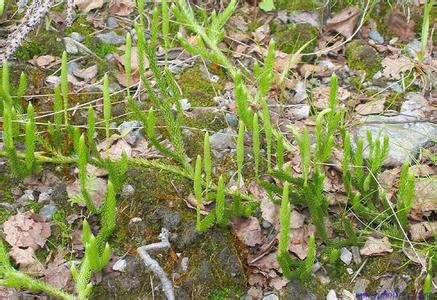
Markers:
point(256, 145)
point(108, 212)
point(207, 164)
point(427, 286)
point(429, 4)
point(83, 178)
point(285, 213)
point(165, 27)
point(5, 78)
point(57, 117)
point(198, 190)
point(64, 85)
point(309, 261)
point(220, 202)
point(22, 86)
point(30, 140)
point(268, 132)
point(405, 196)
point(280, 152)
point(240, 151)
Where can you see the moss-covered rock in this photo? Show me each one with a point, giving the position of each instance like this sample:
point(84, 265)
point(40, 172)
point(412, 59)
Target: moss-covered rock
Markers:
point(296, 4)
point(290, 38)
point(40, 43)
point(197, 88)
point(362, 57)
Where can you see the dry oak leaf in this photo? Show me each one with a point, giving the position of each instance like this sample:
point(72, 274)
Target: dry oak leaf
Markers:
point(26, 230)
point(321, 96)
point(423, 230)
point(45, 61)
point(86, 74)
point(395, 66)
point(267, 263)
point(57, 273)
point(96, 189)
point(299, 238)
point(374, 246)
point(344, 21)
point(122, 7)
point(87, 5)
point(247, 230)
point(370, 108)
point(400, 25)
point(23, 257)
point(269, 210)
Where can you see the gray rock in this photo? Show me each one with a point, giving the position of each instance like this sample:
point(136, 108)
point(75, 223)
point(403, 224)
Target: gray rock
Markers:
point(169, 219)
point(376, 36)
point(127, 191)
point(70, 46)
point(184, 264)
point(360, 288)
point(301, 93)
point(48, 211)
point(72, 66)
point(356, 255)
point(188, 236)
point(231, 119)
point(395, 86)
point(130, 130)
point(305, 17)
point(299, 111)
point(407, 135)
point(111, 38)
point(270, 297)
point(7, 206)
point(205, 272)
point(120, 265)
point(26, 198)
point(223, 139)
point(413, 47)
point(345, 256)
point(295, 290)
point(331, 295)
point(77, 37)
point(112, 22)
point(246, 297)
point(266, 225)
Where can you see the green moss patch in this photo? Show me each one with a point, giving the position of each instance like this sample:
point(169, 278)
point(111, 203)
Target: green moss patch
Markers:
point(296, 4)
point(290, 38)
point(362, 57)
point(197, 88)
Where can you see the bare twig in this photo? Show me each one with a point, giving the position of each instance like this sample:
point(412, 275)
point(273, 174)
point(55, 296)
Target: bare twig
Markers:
point(153, 265)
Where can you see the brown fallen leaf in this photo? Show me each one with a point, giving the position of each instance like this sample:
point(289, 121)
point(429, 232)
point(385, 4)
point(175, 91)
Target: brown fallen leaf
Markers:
point(45, 61)
point(23, 256)
point(370, 108)
point(96, 189)
point(57, 273)
point(278, 283)
point(423, 230)
point(87, 5)
point(269, 210)
point(267, 263)
point(425, 197)
point(299, 239)
point(374, 247)
point(400, 25)
point(344, 21)
point(122, 7)
point(26, 230)
point(247, 230)
point(422, 170)
point(86, 74)
point(191, 202)
point(321, 96)
point(396, 65)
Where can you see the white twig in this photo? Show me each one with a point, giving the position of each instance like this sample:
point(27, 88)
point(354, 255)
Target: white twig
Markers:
point(153, 265)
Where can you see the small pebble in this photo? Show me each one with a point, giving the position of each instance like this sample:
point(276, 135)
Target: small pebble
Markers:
point(48, 211)
point(376, 36)
point(44, 198)
point(270, 297)
point(112, 22)
point(345, 256)
point(349, 271)
point(356, 255)
point(120, 265)
point(127, 191)
point(331, 295)
point(266, 225)
point(77, 37)
point(111, 38)
point(231, 119)
point(184, 264)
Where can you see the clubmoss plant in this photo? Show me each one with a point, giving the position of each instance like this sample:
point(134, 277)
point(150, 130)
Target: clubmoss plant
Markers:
point(405, 196)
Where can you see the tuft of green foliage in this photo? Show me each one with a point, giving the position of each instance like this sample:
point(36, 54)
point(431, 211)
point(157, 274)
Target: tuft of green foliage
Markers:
point(405, 196)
